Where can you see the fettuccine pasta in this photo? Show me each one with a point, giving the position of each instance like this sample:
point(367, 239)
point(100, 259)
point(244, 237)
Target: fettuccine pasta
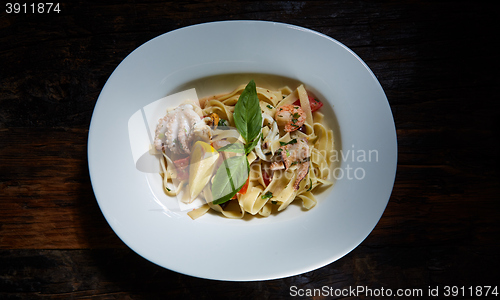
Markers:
point(288, 160)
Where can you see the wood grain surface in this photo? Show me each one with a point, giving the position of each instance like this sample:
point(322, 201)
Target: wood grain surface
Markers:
point(437, 62)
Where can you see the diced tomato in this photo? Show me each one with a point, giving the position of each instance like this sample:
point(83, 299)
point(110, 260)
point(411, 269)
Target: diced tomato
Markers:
point(245, 187)
point(314, 103)
point(181, 167)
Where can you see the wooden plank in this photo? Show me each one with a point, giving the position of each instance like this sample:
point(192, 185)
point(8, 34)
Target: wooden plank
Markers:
point(120, 273)
point(47, 200)
point(435, 60)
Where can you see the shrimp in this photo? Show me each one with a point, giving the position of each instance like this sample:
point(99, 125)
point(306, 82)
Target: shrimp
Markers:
point(291, 117)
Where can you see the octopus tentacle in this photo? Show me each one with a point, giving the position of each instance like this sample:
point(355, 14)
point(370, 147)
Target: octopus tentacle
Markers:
point(178, 128)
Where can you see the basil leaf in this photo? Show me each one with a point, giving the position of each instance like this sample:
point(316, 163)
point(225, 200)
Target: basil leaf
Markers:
point(249, 147)
point(247, 114)
point(235, 148)
point(230, 177)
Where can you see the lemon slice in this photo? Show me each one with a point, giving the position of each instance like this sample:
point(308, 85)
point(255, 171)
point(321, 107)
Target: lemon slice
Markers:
point(201, 167)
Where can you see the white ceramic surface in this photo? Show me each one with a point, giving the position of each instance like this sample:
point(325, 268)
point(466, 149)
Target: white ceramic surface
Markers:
point(287, 244)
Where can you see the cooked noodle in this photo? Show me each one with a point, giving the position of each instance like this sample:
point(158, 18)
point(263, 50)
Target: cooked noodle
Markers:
point(264, 196)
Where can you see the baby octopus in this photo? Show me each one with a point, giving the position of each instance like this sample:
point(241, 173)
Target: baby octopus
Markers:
point(179, 128)
point(291, 117)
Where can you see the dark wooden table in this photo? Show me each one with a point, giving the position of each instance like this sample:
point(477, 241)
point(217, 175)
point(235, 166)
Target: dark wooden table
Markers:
point(437, 61)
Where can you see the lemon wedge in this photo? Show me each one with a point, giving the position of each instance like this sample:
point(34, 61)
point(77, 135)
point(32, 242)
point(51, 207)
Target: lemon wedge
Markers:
point(201, 167)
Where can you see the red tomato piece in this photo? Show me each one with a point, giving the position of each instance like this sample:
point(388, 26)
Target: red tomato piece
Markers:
point(243, 190)
point(245, 187)
point(314, 103)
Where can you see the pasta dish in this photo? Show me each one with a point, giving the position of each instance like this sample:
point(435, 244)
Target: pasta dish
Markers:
point(251, 151)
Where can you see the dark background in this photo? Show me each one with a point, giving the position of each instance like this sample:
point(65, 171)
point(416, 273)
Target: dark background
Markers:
point(436, 60)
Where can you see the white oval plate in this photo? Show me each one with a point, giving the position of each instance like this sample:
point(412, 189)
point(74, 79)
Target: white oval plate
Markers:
point(290, 243)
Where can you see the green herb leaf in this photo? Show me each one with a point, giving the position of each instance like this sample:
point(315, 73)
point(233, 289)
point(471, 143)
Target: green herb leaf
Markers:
point(288, 143)
point(230, 177)
point(223, 123)
point(247, 114)
point(235, 148)
point(249, 147)
point(267, 195)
